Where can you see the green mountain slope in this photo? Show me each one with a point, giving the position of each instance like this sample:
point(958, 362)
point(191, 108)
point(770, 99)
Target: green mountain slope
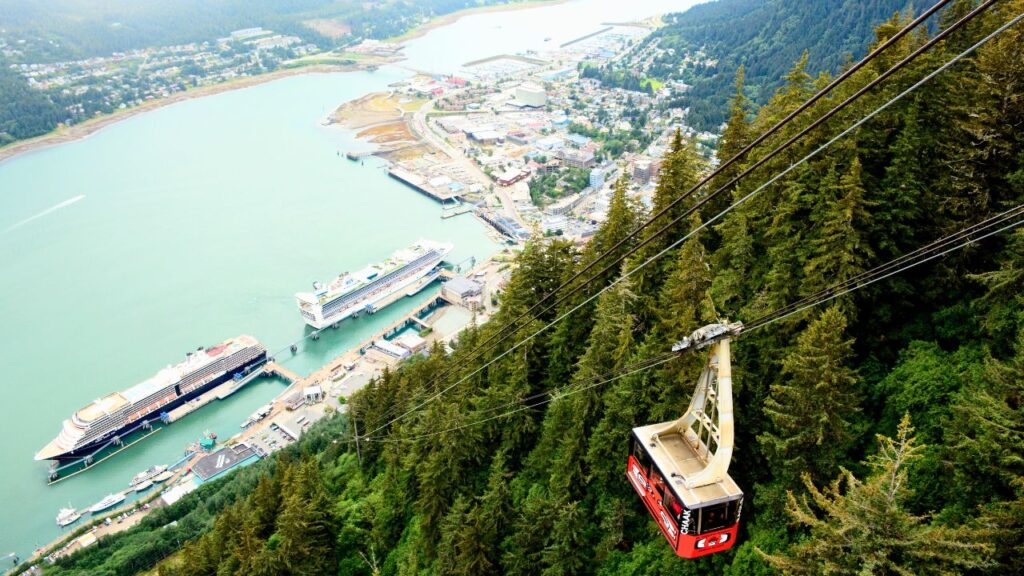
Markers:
point(881, 433)
point(766, 37)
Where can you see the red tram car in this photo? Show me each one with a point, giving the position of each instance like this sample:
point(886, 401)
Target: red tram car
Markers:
point(680, 468)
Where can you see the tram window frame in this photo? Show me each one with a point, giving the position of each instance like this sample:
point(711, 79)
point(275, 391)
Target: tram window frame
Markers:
point(657, 480)
point(666, 503)
point(642, 457)
point(731, 509)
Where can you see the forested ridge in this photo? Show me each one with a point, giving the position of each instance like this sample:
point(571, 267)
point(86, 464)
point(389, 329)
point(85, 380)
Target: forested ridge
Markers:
point(881, 433)
point(765, 37)
point(71, 29)
point(68, 30)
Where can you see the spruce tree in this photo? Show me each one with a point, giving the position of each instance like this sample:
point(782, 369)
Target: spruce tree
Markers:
point(985, 451)
point(811, 408)
point(306, 525)
point(680, 171)
point(734, 138)
point(569, 339)
point(566, 551)
point(864, 527)
point(840, 248)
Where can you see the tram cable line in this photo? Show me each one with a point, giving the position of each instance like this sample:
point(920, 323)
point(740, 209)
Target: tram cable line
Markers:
point(679, 468)
point(942, 247)
point(945, 245)
point(718, 216)
point(629, 370)
point(495, 340)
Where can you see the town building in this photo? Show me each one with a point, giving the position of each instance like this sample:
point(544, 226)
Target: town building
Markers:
point(643, 171)
point(576, 158)
point(412, 342)
point(511, 176)
point(222, 461)
point(598, 176)
point(313, 394)
point(529, 95)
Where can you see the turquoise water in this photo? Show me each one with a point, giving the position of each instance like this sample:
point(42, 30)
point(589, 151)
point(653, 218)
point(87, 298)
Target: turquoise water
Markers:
point(171, 230)
point(196, 222)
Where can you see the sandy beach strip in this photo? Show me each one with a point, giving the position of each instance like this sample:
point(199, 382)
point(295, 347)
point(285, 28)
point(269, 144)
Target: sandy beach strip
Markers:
point(93, 125)
point(78, 131)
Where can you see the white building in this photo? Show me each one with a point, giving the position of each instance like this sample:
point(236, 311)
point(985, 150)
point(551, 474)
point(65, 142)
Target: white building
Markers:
point(531, 95)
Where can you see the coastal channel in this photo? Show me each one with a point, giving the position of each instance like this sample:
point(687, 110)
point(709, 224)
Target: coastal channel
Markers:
point(196, 222)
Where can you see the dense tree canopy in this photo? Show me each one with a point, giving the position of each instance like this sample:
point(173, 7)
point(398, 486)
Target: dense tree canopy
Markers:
point(765, 37)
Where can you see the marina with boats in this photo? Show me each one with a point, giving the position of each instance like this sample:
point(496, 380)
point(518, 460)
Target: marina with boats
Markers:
point(139, 483)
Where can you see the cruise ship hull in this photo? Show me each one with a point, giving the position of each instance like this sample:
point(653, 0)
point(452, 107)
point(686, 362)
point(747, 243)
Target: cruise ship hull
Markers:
point(154, 416)
point(319, 322)
point(327, 307)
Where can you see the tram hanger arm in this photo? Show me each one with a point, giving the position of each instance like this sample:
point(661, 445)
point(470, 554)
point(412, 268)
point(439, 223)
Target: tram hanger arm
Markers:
point(707, 335)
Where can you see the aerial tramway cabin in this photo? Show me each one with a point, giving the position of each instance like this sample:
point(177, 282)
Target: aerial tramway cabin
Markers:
point(680, 468)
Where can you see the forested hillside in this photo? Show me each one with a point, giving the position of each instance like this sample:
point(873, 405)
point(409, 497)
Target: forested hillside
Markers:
point(70, 29)
point(67, 30)
point(24, 112)
point(766, 37)
point(881, 433)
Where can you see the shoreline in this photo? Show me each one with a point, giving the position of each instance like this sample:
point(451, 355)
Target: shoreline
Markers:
point(93, 125)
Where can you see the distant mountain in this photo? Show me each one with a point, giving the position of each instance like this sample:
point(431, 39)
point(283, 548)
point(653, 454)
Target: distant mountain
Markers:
point(767, 37)
point(67, 29)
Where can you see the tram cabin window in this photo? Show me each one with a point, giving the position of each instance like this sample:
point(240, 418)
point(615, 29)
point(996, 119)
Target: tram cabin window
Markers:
point(718, 516)
point(672, 506)
point(642, 457)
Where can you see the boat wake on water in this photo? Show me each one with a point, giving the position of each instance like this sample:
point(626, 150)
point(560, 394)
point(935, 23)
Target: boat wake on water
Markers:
point(49, 210)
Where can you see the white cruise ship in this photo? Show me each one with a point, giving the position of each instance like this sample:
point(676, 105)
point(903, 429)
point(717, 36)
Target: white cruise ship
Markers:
point(354, 292)
point(116, 415)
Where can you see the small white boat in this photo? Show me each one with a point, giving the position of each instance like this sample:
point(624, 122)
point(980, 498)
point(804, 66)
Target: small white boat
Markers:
point(67, 516)
point(110, 500)
point(144, 485)
point(148, 474)
point(162, 477)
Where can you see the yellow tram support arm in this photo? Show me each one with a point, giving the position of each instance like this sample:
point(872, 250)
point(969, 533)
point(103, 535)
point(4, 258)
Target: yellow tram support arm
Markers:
point(708, 425)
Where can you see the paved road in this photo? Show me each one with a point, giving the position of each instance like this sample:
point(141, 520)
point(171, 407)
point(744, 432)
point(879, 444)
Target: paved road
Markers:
point(420, 128)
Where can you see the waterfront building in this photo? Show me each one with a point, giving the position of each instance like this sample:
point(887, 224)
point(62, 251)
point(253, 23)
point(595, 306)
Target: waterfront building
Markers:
point(313, 394)
point(223, 461)
point(529, 95)
point(412, 342)
point(459, 288)
point(391, 349)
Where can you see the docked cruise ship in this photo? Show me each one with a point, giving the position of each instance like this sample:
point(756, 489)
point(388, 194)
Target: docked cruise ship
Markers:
point(354, 292)
point(118, 414)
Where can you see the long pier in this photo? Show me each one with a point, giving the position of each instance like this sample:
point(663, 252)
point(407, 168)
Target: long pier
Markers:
point(516, 57)
point(416, 183)
point(587, 37)
point(275, 369)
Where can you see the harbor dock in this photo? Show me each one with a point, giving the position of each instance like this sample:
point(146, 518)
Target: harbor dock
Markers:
point(419, 184)
point(283, 421)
